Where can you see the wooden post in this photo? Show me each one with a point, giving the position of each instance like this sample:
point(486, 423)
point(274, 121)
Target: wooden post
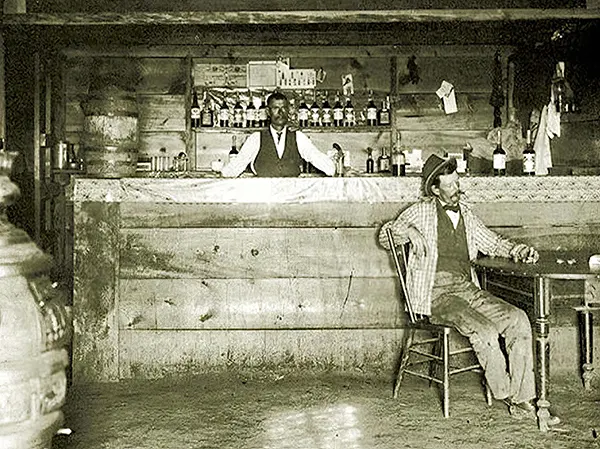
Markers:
point(2, 95)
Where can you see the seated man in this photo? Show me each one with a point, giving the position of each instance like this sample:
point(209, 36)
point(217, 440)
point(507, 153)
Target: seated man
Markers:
point(445, 236)
point(278, 151)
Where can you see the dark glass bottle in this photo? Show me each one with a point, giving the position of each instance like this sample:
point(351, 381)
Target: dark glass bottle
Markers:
point(326, 118)
point(499, 157)
point(251, 120)
point(195, 111)
point(315, 113)
point(371, 111)
point(206, 115)
point(528, 157)
point(338, 112)
point(224, 114)
point(303, 114)
point(238, 114)
point(383, 161)
point(234, 151)
point(370, 161)
point(349, 116)
point(261, 114)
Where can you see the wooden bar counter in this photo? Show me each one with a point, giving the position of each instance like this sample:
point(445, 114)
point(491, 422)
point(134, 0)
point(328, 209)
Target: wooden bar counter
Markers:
point(180, 276)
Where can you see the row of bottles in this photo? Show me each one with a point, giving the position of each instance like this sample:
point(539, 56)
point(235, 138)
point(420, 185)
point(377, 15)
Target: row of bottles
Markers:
point(323, 115)
point(499, 157)
point(339, 115)
point(206, 117)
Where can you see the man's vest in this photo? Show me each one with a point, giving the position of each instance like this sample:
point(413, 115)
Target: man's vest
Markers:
point(268, 163)
point(453, 256)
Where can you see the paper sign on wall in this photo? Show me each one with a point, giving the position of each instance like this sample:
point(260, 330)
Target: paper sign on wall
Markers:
point(446, 93)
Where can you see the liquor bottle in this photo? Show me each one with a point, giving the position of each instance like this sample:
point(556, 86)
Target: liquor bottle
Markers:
point(398, 158)
point(234, 151)
point(370, 161)
point(349, 117)
point(261, 114)
point(206, 115)
point(528, 157)
point(499, 157)
point(303, 114)
point(326, 118)
point(195, 111)
point(251, 110)
point(383, 161)
point(371, 111)
point(384, 112)
point(224, 114)
point(238, 114)
point(315, 113)
point(338, 112)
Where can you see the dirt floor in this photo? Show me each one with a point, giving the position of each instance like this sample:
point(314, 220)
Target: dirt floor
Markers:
point(275, 411)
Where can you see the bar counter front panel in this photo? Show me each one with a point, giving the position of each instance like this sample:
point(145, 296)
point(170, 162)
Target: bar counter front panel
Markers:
point(191, 275)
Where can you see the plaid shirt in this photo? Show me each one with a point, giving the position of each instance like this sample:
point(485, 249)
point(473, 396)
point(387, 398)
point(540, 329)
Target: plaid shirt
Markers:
point(420, 274)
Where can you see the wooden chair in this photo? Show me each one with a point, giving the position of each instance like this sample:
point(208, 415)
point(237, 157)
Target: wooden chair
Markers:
point(431, 353)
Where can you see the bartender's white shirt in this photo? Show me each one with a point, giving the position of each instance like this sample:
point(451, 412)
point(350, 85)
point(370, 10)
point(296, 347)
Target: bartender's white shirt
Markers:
point(251, 146)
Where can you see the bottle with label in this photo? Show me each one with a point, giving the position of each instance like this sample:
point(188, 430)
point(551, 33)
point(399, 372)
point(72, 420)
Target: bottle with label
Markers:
point(315, 112)
point(528, 157)
point(383, 161)
point(234, 151)
point(238, 114)
point(251, 120)
point(349, 117)
point(338, 112)
point(384, 112)
point(224, 114)
point(370, 161)
point(195, 111)
point(303, 114)
point(371, 111)
point(261, 114)
point(499, 157)
point(206, 115)
point(326, 118)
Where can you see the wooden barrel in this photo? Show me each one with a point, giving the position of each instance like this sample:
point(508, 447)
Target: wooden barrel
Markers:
point(110, 133)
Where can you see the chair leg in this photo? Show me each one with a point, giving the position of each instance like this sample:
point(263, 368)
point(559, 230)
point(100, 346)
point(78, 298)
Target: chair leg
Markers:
point(446, 377)
point(433, 364)
point(403, 360)
point(488, 394)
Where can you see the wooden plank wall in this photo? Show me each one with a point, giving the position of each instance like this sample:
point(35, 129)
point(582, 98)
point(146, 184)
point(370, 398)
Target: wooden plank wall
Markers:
point(160, 84)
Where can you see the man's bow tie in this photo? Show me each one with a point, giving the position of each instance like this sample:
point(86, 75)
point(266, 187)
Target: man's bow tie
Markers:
point(452, 208)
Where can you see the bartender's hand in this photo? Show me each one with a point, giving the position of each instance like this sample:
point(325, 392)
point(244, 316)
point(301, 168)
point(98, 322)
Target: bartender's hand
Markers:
point(523, 253)
point(417, 241)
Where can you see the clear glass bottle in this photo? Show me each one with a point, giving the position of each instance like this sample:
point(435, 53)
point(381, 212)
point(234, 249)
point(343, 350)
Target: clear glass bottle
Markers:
point(384, 112)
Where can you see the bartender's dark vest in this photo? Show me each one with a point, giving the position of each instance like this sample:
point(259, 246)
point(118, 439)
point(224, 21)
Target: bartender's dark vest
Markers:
point(267, 162)
point(453, 255)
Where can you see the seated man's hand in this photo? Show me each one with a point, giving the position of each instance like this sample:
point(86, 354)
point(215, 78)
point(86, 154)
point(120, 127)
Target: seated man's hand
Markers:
point(523, 253)
point(418, 242)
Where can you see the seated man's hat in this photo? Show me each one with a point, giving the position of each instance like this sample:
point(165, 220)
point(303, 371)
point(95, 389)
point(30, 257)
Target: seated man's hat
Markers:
point(434, 165)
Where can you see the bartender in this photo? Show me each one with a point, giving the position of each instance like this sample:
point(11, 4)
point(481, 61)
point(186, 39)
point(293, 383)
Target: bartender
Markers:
point(278, 151)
